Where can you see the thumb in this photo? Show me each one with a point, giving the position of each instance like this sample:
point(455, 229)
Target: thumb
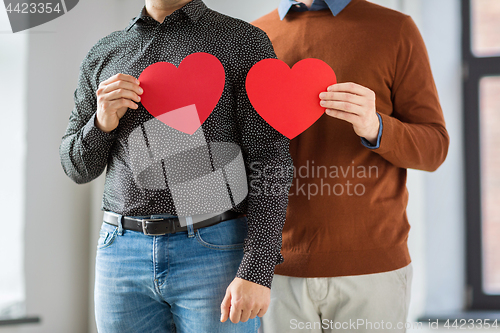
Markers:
point(225, 306)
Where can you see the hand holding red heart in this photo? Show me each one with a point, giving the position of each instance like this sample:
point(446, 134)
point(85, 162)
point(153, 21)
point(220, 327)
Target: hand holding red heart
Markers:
point(355, 104)
point(114, 97)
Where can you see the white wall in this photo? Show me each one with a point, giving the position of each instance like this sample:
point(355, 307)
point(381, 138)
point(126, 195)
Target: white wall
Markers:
point(13, 71)
point(445, 216)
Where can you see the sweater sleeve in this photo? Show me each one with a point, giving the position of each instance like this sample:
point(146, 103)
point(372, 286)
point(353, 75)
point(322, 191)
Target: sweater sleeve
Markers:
point(414, 136)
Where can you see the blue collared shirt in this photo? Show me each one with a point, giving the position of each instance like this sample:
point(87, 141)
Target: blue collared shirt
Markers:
point(335, 6)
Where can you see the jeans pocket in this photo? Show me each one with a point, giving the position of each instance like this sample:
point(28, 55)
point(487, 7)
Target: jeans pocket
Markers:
point(107, 235)
point(227, 235)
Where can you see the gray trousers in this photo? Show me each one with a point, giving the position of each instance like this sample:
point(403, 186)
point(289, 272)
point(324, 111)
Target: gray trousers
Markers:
point(362, 303)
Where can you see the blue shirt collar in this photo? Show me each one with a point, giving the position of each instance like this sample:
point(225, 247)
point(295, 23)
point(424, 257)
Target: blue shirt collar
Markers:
point(335, 6)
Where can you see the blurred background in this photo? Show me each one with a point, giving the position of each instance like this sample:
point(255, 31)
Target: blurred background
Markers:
point(50, 225)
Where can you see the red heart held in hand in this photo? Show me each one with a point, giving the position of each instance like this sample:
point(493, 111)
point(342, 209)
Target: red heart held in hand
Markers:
point(183, 97)
point(288, 99)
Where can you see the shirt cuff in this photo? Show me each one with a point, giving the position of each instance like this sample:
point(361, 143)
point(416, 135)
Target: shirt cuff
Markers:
point(367, 143)
point(258, 267)
point(93, 137)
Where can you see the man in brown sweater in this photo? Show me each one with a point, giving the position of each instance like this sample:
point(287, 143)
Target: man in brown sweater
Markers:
point(347, 265)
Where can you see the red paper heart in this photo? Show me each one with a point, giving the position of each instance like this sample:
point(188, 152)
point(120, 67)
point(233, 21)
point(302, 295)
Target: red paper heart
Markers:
point(183, 97)
point(288, 99)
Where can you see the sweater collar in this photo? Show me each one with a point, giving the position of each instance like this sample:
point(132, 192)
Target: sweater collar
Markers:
point(335, 6)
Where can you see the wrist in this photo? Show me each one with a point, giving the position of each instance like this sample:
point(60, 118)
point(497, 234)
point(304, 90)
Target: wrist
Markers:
point(99, 125)
point(372, 134)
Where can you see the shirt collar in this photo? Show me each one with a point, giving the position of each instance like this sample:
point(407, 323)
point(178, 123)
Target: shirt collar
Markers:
point(335, 6)
point(193, 10)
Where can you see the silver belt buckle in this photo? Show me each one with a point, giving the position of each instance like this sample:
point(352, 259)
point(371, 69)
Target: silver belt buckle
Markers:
point(145, 227)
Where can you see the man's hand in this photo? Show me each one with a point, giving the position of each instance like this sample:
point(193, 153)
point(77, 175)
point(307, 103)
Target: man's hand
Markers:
point(244, 300)
point(114, 97)
point(354, 104)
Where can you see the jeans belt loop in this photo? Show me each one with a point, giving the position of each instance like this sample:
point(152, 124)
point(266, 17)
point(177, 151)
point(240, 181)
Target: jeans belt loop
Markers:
point(120, 225)
point(190, 229)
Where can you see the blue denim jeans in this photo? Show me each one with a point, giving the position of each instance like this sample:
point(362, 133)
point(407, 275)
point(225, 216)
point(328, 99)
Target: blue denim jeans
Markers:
point(170, 283)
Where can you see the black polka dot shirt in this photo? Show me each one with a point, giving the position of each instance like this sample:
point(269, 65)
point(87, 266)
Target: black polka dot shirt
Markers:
point(86, 151)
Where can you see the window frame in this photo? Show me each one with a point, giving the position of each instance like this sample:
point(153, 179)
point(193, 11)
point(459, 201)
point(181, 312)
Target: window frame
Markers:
point(475, 68)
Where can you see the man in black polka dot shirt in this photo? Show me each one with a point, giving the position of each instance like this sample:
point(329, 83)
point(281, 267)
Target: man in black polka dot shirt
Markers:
point(196, 279)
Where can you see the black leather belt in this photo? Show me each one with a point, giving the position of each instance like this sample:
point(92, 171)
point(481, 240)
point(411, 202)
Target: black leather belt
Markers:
point(162, 226)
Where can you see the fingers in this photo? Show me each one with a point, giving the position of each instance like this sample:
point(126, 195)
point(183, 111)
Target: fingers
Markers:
point(122, 93)
point(118, 104)
point(225, 307)
point(245, 312)
point(244, 309)
point(262, 312)
point(253, 314)
point(126, 85)
point(235, 314)
point(343, 106)
point(343, 97)
point(352, 88)
point(123, 103)
point(263, 309)
point(355, 104)
point(119, 77)
point(240, 310)
point(349, 97)
point(349, 117)
point(237, 309)
point(119, 86)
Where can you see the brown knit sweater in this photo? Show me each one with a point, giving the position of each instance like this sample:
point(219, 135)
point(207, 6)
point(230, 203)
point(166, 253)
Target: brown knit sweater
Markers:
point(347, 208)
